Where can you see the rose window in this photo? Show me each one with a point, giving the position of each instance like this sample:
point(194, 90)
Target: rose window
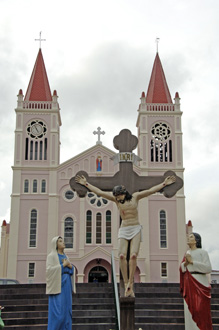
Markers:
point(96, 200)
point(160, 131)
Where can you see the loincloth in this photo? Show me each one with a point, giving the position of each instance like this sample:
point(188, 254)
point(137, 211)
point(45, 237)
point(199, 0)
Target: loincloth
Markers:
point(129, 232)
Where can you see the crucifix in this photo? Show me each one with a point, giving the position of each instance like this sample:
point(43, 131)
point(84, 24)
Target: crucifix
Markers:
point(125, 142)
point(40, 39)
point(98, 132)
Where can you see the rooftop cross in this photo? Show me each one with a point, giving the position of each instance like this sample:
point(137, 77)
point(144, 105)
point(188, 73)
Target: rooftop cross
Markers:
point(157, 42)
point(98, 132)
point(40, 39)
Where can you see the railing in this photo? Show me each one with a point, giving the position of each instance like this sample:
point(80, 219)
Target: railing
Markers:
point(160, 107)
point(116, 295)
point(37, 105)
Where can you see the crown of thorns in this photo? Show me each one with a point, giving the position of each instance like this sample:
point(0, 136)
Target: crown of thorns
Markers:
point(119, 190)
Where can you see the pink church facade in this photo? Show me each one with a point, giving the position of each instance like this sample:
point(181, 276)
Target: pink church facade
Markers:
point(43, 204)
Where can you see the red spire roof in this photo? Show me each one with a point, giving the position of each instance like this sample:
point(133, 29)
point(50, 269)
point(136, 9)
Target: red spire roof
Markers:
point(158, 91)
point(38, 89)
point(190, 223)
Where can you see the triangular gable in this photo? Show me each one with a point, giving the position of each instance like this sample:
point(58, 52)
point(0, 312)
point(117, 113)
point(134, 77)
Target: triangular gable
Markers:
point(91, 152)
point(98, 249)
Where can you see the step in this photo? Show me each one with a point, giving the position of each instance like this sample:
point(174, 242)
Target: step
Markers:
point(157, 306)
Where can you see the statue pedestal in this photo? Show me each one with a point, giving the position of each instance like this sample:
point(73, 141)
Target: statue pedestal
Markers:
point(127, 313)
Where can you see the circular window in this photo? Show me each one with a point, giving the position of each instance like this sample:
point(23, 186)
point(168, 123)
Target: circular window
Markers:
point(69, 195)
point(160, 131)
point(96, 200)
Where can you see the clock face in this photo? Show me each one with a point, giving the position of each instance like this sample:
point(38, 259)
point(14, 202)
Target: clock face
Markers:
point(36, 129)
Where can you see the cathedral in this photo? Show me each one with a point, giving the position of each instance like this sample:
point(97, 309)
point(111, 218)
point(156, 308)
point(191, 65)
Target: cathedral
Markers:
point(43, 205)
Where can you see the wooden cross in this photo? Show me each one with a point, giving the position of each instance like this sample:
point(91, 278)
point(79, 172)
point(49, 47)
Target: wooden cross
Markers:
point(40, 39)
point(125, 142)
point(98, 132)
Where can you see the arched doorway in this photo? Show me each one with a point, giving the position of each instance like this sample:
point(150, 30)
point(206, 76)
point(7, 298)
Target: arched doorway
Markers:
point(98, 274)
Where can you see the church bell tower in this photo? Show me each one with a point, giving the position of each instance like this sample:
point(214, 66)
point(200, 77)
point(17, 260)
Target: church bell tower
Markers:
point(37, 152)
point(160, 148)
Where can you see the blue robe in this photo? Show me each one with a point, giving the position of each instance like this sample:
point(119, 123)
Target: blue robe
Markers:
point(60, 305)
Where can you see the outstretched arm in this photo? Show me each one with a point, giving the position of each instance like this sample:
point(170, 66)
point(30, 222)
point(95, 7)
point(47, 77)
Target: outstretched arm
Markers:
point(82, 180)
point(145, 193)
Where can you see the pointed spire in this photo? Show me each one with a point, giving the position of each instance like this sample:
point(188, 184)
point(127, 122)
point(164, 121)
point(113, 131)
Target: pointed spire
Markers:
point(158, 91)
point(38, 89)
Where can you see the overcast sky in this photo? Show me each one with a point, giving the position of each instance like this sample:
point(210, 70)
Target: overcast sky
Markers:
point(99, 56)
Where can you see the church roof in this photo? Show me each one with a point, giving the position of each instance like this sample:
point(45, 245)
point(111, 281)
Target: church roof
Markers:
point(38, 89)
point(158, 91)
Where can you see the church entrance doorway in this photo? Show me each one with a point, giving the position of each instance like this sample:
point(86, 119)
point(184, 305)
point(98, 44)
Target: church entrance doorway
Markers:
point(98, 274)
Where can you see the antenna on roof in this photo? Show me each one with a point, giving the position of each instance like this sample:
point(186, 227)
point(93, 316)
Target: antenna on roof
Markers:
point(157, 41)
point(40, 39)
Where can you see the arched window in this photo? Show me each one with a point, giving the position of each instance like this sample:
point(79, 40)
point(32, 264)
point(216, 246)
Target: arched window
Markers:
point(26, 186)
point(36, 150)
point(161, 152)
point(163, 229)
point(69, 233)
point(35, 186)
point(26, 148)
point(88, 227)
point(45, 149)
point(33, 228)
point(108, 227)
point(170, 151)
point(43, 186)
point(98, 228)
point(31, 150)
point(41, 150)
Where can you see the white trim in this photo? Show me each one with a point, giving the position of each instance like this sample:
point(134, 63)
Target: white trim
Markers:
point(64, 190)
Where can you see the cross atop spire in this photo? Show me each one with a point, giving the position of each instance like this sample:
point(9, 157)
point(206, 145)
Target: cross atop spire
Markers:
point(40, 39)
point(98, 132)
point(157, 42)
